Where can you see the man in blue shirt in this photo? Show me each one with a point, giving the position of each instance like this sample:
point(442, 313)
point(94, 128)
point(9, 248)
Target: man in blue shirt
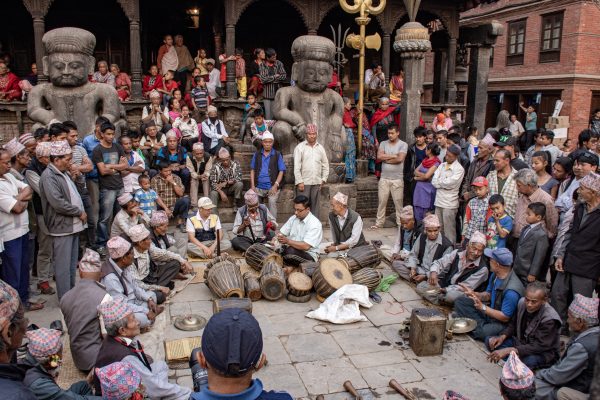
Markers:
point(232, 350)
point(503, 293)
point(266, 173)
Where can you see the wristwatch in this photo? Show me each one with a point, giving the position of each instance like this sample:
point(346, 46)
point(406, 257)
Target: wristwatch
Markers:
point(483, 308)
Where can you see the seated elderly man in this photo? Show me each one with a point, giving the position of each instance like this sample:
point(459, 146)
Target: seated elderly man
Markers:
point(130, 214)
point(120, 284)
point(301, 234)
point(214, 134)
point(533, 331)
point(253, 223)
point(431, 245)
point(456, 270)
point(203, 229)
point(346, 227)
point(503, 293)
point(146, 270)
point(571, 376)
point(78, 307)
point(171, 191)
point(159, 225)
point(120, 344)
point(44, 355)
point(226, 179)
point(408, 232)
point(175, 155)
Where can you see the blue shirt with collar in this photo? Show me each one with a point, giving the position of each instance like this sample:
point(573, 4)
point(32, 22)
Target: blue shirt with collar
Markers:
point(254, 392)
point(264, 180)
point(89, 143)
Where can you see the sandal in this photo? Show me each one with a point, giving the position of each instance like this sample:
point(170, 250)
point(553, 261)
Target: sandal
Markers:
point(33, 307)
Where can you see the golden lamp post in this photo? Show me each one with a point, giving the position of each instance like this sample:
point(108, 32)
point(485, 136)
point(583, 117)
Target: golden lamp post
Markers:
point(364, 8)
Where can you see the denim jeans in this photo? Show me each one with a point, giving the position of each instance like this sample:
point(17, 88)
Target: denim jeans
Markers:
point(15, 265)
point(486, 326)
point(108, 208)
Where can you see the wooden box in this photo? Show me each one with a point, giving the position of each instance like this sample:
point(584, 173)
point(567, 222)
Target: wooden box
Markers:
point(427, 331)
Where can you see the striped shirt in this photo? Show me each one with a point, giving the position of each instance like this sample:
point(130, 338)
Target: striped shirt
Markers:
point(268, 79)
point(147, 200)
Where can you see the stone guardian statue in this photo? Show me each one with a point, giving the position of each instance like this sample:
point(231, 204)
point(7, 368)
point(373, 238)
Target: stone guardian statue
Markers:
point(310, 101)
point(69, 95)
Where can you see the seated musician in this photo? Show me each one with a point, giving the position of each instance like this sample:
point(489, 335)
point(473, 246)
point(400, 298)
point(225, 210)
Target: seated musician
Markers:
point(253, 223)
point(408, 232)
point(466, 267)
point(431, 245)
point(301, 234)
point(203, 229)
point(346, 227)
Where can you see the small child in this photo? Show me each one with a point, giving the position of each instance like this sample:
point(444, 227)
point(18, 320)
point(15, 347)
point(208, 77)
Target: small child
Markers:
point(499, 223)
point(240, 73)
point(174, 109)
point(148, 198)
point(547, 138)
point(169, 85)
point(135, 144)
point(440, 122)
point(477, 211)
point(259, 127)
point(532, 247)
point(248, 116)
point(200, 96)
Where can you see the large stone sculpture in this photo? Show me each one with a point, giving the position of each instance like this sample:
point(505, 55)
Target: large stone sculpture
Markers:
point(310, 101)
point(69, 95)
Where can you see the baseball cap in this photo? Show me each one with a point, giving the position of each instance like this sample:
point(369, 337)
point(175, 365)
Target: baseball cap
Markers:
point(206, 203)
point(506, 140)
point(232, 342)
point(480, 181)
point(502, 256)
point(588, 157)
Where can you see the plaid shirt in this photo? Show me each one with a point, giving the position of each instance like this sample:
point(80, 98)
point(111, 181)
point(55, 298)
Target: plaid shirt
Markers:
point(509, 191)
point(219, 174)
point(476, 216)
point(165, 190)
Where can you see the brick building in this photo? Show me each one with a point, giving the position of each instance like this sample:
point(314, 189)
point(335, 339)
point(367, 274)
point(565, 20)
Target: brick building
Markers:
point(549, 51)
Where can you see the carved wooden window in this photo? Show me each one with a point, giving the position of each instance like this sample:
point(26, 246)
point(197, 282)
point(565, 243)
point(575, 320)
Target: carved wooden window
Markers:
point(551, 37)
point(516, 42)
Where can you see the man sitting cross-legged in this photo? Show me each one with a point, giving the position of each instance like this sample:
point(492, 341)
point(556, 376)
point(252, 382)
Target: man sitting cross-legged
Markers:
point(253, 223)
point(203, 229)
point(346, 227)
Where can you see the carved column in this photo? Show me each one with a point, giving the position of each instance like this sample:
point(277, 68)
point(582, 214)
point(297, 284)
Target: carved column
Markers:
point(412, 42)
point(229, 50)
point(439, 76)
point(135, 51)
point(386, 55)
point(451, 73)
point(38, 10)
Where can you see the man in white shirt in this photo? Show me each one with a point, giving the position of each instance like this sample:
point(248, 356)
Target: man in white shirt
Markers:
point(375, 82)
point(447, 180)
point(301, 234)
point(214, 78)
point(346, 227)
point(203, 229)
point(311, 168)
point(213, 131)
point(391, 153)
point(156, 112)
point(515, 127)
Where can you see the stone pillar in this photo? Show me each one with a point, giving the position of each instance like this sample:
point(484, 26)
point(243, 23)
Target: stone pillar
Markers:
point(386, 56)
point(39, 28)
point(412, 42)
point(312, 31)
point(480, 39)
point(450, 75)
point(230, 50)
point(439, 76)
point(135, 51)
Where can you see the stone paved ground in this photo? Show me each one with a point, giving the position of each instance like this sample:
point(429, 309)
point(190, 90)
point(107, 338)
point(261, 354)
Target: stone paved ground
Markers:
point(308, 357)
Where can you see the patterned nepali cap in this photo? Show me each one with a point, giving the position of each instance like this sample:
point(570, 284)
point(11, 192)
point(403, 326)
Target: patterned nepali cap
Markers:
point(431, 221)
point(452, 395)
point(585, 308)
point(118, 380)
point(60, 148)
point(159, 218)
point(515, 374)
point(26, 138)
point(198, 146)
point(114, 310)
point(14, 147)
point(137, 233)
point(591, 181)
point(43, 149)
point(90, 262)
point(44, 342)
point(117, 247)
point(153, 94)
point(124, 199)
point(250, 197)
point(407, 212)
point(478, 238)
point(488, 140)
point(9, 303)
point(223, 153)
point(311, 128)
point(341, 198)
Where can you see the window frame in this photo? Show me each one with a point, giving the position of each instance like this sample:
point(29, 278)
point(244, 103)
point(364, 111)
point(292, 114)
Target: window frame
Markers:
point(551, 54)
point(516, 58)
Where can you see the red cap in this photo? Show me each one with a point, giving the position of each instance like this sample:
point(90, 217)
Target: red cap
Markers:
point(480, 181)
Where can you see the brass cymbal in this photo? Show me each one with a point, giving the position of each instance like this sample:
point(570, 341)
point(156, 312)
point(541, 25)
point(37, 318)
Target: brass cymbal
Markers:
point(191, 322)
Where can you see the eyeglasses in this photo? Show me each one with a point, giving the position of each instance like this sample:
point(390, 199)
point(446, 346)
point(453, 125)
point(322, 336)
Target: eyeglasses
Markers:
point(299, 211)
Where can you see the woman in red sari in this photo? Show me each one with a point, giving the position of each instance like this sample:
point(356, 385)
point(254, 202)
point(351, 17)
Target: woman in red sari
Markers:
point(9, 84)
point(256, 87)
point(152, 82)
point(122, 82)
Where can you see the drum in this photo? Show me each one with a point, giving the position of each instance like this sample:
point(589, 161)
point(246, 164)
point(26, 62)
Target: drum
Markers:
point(309, 267)
point(252, 287)
point(299, 284)
point(370, 277)
point(272, 281)
point(223, 277)
point(330, 276)
point(258, 254)
point(223, 304)
point(367, 256)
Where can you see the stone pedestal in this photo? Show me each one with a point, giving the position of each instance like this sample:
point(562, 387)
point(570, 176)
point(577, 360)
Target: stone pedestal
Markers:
point(412, 42)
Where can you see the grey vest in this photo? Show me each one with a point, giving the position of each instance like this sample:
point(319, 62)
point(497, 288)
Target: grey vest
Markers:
point(589, 341)
point(512, 282)
point(341, 235)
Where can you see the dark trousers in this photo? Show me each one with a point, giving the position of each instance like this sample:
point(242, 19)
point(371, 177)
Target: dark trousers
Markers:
point(163, 275)
point(295, 257)
point(533, 361)
point(241, 243)
point(486, 326)
point(181, 207)
point(526, 140)
point(185, 176)
point(15, 265)
point(564, 288)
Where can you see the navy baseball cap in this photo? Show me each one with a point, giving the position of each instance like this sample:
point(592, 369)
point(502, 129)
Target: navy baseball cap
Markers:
point(232, 342)
point(502, 256)
point(588, 157)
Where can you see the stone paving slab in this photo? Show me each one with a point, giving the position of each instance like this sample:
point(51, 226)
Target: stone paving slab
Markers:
point(328, 376)
point(361, 341)
point(379, 358)
point(379, 376)
point(311, 347)
point(282, 377)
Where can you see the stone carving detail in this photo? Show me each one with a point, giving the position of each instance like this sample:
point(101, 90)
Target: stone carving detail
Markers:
point(310, 101)
point(69, 95)
point(412, 40)
point(37, 8)
point(131, 9)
